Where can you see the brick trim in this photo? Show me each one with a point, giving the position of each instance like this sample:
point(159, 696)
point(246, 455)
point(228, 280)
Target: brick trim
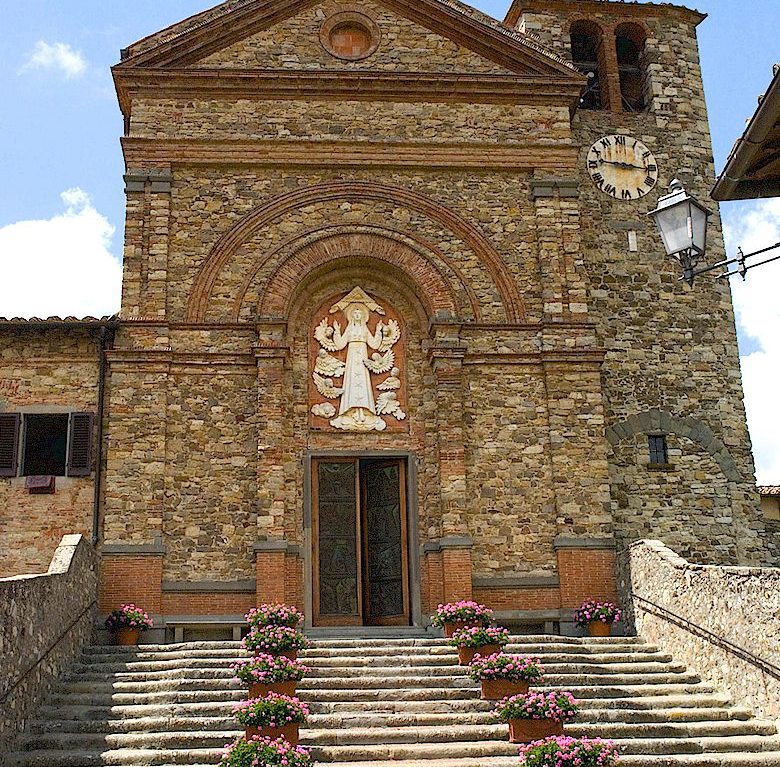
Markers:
point(254, 221)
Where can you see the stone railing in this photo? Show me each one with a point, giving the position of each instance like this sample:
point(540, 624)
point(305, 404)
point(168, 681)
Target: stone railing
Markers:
point(45, 620)
point(722, 622)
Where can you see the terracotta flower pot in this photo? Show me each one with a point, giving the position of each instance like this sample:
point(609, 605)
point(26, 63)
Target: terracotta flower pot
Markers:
point(466, 654)
point(495, 689)
point(599, 629)
point(289, 732)
point(281, 688)
point(529, 730)
point(451, 628)
point(291, 654)
point(127, 637)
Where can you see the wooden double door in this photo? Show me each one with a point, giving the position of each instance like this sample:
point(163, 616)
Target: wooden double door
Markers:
point(360, 545)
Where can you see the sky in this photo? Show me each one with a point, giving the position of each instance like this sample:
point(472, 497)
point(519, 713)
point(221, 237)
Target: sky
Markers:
point(62, 200)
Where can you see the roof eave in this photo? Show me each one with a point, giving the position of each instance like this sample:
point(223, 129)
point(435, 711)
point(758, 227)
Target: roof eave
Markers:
point(732, 184)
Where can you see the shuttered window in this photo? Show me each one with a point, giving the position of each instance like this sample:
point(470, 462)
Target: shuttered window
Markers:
point(9, 443)
point(80, 450)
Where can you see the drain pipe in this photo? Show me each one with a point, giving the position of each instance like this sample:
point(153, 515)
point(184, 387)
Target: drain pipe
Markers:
point(103, 345)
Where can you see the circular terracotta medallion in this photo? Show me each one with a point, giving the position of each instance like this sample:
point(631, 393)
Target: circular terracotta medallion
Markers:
point(350, 35)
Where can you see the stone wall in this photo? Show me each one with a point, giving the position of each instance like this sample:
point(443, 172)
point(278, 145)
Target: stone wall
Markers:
point(667, 348)
point(738, 604)
point(45, 620)
point(49, 371)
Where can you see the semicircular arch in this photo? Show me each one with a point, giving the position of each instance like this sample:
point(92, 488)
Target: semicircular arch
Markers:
point(389, 249)
point(697, 431)
point(252, 222)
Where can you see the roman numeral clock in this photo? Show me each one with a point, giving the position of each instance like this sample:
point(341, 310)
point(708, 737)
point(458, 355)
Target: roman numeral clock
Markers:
point(622, 167)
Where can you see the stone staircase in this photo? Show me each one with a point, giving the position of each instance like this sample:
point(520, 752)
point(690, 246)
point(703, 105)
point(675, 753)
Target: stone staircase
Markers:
point(382, 700)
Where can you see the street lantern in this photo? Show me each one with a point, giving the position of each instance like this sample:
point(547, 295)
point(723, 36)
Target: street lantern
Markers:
point(682, 222)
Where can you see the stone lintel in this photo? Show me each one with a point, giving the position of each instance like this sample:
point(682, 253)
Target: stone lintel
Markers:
point(159, 181)
point(563, 542)
point(248, 586)
point(549, 187)
point(450, 542)
point(517, 582)
point(277, 546)
point(627, 226)
point(129, 549)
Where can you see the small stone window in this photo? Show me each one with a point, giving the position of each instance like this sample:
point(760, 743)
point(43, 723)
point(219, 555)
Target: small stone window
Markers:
point(659, 452)
point(588, 56)
point(630, 46)
point(350, 35)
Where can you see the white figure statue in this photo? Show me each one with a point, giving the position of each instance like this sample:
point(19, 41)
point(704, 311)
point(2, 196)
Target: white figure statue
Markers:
point(357, 409)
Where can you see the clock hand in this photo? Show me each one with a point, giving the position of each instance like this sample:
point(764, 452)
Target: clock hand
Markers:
point(623, 164)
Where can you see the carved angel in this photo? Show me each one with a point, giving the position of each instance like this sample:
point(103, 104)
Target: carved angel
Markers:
point(324, 334)
point(328, 365)
point(387, 404)
point(381, 363)
point(326, 388)
point(392, 382)
point(391, 334)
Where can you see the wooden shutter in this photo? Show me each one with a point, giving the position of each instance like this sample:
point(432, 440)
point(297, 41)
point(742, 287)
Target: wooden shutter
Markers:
point(80, 445)
point(9, 443)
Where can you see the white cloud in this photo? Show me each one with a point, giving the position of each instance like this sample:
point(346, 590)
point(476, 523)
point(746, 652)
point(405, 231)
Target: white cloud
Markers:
point(57, 56)
point(60, 266)
point(757, 304)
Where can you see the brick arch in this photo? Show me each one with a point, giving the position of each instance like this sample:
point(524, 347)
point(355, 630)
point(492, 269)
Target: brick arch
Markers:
point(224, 249)
point(314, 248)
point(692, 428)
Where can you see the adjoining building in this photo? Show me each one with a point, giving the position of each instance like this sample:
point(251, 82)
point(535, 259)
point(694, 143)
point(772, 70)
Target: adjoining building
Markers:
point(395, 328)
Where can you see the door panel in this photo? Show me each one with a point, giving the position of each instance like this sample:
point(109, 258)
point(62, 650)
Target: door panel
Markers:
point(337, 574)
point(384, 541)
point(359, 542)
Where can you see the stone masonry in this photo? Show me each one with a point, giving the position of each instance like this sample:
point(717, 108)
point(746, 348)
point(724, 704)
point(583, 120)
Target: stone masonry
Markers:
point(443, 171)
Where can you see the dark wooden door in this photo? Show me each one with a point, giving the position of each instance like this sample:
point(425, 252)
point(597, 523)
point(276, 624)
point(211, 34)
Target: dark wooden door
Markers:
point(385, 571)
point(359, 541)
point(337, 581)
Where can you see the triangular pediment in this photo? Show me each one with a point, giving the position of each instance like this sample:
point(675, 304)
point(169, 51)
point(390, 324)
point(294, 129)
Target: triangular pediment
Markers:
point(416, 35)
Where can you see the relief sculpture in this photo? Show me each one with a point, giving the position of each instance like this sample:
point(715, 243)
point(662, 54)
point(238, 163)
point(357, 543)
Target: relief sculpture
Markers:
point(349, 380)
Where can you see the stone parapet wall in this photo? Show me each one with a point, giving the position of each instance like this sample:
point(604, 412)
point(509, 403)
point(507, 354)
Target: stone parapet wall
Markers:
point(736, 604)
point(45, 620)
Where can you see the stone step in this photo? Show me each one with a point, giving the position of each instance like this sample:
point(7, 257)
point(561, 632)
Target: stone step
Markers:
point(680, 739)
point(456, 678)
point(679, 760)
point(359, 728)
point(318, 672)
point(41, 759)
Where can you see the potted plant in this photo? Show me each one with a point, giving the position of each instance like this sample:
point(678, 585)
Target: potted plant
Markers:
point(504, 675)
point(275, 716)
point(458, 615)
point(275, 640)
point(536, 715)
point(269, 752)
point(597, 617)
point(478, 640)
point(269, 673)
point(557, 751)
point(274, 615)
point(127, 623)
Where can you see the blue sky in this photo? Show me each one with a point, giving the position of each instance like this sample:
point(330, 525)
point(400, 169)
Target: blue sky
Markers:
point(60, 128)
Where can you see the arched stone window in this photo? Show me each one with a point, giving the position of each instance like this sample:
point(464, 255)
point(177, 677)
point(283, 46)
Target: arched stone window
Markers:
point(630, 48)
point(587, 52)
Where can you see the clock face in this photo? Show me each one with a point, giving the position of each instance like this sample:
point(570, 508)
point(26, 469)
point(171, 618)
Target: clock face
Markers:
point(622, 167)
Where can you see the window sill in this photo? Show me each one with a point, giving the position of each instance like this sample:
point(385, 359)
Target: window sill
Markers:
point(661, 467)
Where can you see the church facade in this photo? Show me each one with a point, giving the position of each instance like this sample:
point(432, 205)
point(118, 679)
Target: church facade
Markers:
point(395, 326)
